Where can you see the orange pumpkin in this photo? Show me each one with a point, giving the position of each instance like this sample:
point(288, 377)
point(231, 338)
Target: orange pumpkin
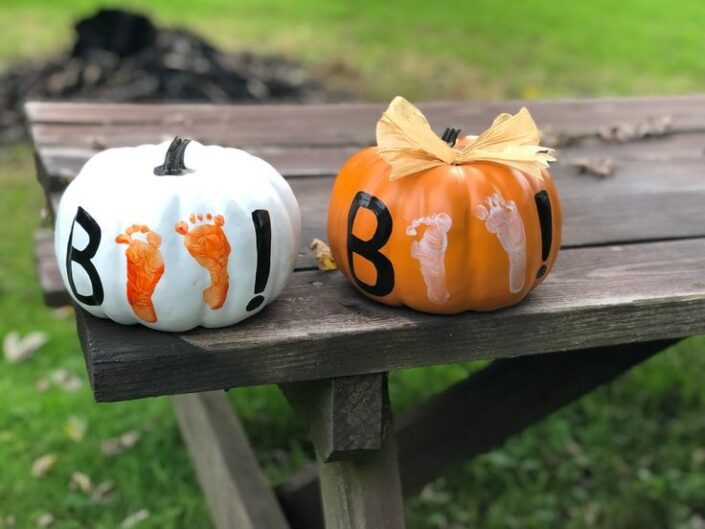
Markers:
point(478, 236)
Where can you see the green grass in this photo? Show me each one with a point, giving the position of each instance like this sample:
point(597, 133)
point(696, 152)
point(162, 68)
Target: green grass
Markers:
point(630, 455)
point(481, 49)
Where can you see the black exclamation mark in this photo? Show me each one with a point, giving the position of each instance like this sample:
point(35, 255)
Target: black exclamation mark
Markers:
point(543, 205)
point(263, 232)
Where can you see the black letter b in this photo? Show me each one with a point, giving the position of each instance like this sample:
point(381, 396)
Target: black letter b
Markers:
point(370, 249)
point(83, 257)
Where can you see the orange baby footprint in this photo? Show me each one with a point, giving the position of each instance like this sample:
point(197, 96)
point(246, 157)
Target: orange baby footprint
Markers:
point(145, 267)
point(207, 244)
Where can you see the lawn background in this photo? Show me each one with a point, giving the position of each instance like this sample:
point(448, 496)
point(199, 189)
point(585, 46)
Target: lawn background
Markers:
point(630, 455)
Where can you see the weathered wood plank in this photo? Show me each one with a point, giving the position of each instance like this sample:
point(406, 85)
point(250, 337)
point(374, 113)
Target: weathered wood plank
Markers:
point(63, 164)
point(342, 123)
point(320, 327)
point(362, 491)
point(590, 219)
point(58, 165)
point(53, 291)
point(235, 488)
point(345, 416)
point(479, 414)
point(86, 138)
point(595, 212)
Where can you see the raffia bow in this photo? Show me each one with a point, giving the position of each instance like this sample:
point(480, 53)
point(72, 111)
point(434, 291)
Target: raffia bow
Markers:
point(405, 141)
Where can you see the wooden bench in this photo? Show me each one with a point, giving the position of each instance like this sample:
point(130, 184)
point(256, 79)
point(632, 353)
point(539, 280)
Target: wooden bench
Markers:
point(630, 280)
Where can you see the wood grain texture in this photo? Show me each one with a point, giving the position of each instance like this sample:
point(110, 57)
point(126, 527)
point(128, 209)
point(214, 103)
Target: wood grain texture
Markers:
point(65, 135)
point(363, 491)
point(477, 415)
point(353, 123)
point(658, 175)
point(345, 416)
point(61, 164)
point(53, 291)
point(596, 212)
point(321, 327)
point(58, 165)
point(235, 488)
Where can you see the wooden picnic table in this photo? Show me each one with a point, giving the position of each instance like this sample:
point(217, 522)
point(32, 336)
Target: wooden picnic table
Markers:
point(629, 281)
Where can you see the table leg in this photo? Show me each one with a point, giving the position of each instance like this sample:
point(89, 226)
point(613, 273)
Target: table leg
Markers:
point(479, 414)
point(350, 421)
point(235, 488)
point(363, 492)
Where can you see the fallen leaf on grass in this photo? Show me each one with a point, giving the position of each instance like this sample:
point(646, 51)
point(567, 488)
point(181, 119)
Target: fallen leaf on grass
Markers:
point(10, 521)
point(42, 385)
point(17, 349)
point(601, 168)
point(75, 428)
point(102, 492)
point(697, 522)
point(574, 448)
point(134, 519)
point(60, 378)
point(81, 482)
point(45, 520)
point(63, 313)
point(698, 456)
point(435, 493)
point(66, 380)
point(323, 255)
point(43, 465)
point(121, 444)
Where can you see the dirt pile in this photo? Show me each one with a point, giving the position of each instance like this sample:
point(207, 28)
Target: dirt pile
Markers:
point(120, 56)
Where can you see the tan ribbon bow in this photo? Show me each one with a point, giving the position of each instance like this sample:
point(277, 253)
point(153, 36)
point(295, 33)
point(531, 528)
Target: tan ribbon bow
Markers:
point(405, 141)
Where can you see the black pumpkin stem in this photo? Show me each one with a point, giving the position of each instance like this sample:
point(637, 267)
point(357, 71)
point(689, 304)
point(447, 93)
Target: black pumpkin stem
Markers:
point(174, 160)
point(450, 136)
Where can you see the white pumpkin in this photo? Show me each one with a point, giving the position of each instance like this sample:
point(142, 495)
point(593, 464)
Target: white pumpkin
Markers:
point(177, 235)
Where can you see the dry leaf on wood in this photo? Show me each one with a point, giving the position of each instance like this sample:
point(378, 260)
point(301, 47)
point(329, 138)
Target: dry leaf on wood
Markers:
point(121, 444)
point(555, 139)
point(17, 349)
point(134, 519)
point(623, 132)
point(323, 255)
point(75, 428)
point(45, 520)
point(620, 132)
point(601, 168)
point(81, 482)
point(43, 465)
